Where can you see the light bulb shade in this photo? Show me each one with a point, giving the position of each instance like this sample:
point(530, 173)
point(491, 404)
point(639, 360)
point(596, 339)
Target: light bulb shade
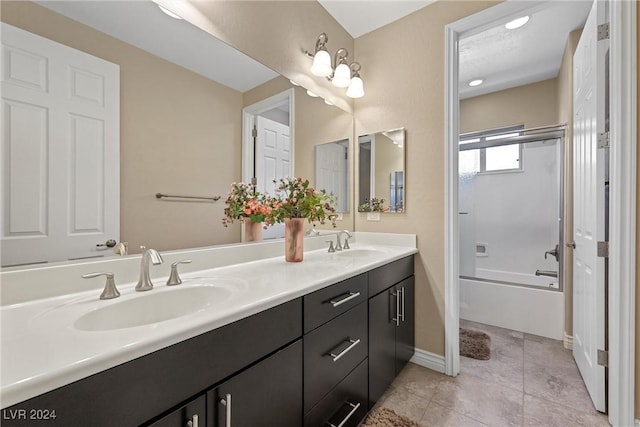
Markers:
point(356, 88)
point(342, 76)
point(321, 64)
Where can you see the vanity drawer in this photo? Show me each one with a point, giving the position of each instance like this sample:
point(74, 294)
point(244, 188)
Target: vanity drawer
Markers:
point(347, 403)
point(325, 304)
point(388, 275)
point(332, 351)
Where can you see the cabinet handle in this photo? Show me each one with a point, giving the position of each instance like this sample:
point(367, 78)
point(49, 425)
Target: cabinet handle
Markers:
point(227, 403)
point(345, 351)
point(402, 291)
point(349, 296)
point(193, 422)
point(354, 408)
point(397, 318)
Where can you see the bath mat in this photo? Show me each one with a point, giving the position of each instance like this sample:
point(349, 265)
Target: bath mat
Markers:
point(384, 417)
point(475, 344)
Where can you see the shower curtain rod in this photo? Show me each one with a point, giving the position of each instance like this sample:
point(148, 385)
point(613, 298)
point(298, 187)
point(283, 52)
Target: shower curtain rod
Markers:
point(520, 139)
point(559, 126)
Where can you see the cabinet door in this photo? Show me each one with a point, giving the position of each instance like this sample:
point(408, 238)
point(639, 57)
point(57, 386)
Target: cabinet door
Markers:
point(382, 343)
point(405, 332)
point(267, 394)
point(190, 415)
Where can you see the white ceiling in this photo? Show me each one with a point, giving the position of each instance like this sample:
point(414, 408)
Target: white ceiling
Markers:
point(359, 17)
point(510, 58)
point(142, 24)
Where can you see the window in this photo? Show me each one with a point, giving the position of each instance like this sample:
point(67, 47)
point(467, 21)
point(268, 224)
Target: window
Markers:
point(483, 158)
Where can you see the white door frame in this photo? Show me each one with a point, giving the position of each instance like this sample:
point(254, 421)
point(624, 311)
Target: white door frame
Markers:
point(248, 114)
point(622, 211)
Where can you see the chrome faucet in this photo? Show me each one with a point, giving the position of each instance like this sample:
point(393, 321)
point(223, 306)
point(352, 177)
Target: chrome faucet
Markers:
point(339, 246)
point(144, 283)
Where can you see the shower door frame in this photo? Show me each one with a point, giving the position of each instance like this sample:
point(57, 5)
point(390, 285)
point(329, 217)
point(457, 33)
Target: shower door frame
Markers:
point(622, 244)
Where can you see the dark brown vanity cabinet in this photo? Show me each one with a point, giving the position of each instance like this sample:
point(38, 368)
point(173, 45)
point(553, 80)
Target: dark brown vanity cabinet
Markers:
point(266, 394)
point(335, 354)
point(391, 324)
point(319, 360)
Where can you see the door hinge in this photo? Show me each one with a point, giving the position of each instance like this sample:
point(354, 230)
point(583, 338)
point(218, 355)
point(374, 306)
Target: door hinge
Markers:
point(603, 358)
point(603, 249)
point(603, 31)
point(603, 140)
point(254, 132)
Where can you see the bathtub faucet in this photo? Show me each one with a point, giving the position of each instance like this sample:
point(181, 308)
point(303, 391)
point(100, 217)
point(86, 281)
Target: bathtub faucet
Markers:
point(553, 252)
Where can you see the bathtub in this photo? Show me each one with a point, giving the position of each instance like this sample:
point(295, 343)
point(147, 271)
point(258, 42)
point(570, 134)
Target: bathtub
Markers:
point(536, 306)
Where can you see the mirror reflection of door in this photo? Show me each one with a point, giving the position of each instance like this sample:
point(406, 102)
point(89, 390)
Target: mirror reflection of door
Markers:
point(273, 157)
point(331, 171)
point(396, 197)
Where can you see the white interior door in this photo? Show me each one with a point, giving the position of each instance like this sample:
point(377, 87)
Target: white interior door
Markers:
point(589, 207)
point(60, 151)
point(273, 161)
point(331, 172)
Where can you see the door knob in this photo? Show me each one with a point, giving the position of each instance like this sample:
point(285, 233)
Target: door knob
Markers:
point(109, 243)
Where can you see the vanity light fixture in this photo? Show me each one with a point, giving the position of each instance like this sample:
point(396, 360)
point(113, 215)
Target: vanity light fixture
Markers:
point(344, 75)
point(311, 94)
point(168, 12)
point(516, 23)
point(476, 82)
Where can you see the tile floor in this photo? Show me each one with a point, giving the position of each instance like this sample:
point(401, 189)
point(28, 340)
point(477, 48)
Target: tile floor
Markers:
point(529, 381)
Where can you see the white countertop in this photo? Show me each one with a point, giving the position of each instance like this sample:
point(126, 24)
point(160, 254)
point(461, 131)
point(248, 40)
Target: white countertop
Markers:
point(42, 350)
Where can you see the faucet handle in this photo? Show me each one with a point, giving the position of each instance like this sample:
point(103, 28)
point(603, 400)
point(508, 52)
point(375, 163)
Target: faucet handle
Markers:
point(346, 243)
point(110, 291)
point(331, 248)
point(174, 278)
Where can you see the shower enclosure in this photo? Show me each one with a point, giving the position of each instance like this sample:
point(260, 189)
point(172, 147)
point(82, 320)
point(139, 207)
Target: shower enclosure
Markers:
point(510, 190)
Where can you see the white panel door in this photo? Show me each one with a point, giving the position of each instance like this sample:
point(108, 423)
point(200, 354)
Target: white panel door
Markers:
point(60, 151)
point(589, 208)
point(331, 172)
point(273, 161)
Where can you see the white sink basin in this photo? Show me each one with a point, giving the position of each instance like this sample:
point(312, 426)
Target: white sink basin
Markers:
point(153, 308)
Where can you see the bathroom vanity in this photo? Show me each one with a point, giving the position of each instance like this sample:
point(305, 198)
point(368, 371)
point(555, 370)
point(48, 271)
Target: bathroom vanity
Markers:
point(314, 343)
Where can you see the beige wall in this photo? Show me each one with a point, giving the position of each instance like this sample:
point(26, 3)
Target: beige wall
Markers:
point(315, 123)
point(179, 134)
point(565, 115)
point(530, 105)
point(275, 33)
point(404, 77)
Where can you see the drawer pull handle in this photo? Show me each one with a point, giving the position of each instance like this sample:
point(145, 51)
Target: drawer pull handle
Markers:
point(193, 422)
point(354, 408)
point(335, 357)
point(402, 290)
point(227, 403)
point(349, 296)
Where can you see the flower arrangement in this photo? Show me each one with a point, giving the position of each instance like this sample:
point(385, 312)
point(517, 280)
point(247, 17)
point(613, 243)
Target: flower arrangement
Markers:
point(245, 203)
point(297, 199)
point(373, 205)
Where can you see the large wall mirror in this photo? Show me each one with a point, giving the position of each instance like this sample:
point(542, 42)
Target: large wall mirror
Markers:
point(381, 171)
point(181, 96)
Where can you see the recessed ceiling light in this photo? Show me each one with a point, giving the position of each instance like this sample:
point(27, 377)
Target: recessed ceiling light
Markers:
point(326, 101)
point(294, 83)
point(516, 23)
point(311, 94)
point(168, 12)
point(476, 82)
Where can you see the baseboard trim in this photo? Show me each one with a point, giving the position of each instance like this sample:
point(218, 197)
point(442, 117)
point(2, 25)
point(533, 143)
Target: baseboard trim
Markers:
point(568, 341)
point(433, 361)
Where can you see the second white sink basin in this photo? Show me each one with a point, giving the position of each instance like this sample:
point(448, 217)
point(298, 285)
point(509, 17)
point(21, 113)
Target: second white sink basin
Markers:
point(153, 308)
